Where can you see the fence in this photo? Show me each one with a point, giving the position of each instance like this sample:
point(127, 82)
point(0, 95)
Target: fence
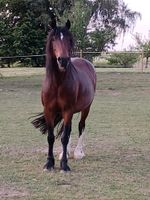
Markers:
point(98, 58)
point(27, 60)
point(39, 60)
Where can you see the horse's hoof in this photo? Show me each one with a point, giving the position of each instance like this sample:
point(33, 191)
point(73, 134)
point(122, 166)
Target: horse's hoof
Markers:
point(64, 167)
point(49, 166)
point(48, 170)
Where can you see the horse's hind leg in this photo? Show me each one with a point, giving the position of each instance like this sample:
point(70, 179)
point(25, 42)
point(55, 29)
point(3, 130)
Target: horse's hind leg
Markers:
point(79, 153)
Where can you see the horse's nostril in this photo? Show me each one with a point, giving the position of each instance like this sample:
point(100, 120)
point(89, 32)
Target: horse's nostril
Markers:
point(59, 59)
point(63, 61)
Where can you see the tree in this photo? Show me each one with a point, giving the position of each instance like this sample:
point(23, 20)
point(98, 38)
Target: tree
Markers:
point(125, 59)
point(143, 45)
point(24, 28)
point(6, 38)
point(79, 16)
point(100, 18)
point(95, 24)
point(101, 39)
point(110, 18)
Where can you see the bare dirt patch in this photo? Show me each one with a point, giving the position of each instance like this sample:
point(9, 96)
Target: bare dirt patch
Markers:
point(6, 191)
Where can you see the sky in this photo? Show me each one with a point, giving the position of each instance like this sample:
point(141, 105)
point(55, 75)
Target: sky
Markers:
point(142, 26)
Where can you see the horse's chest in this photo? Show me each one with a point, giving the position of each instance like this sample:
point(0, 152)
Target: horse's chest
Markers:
point(65, 96)
point(62, 98)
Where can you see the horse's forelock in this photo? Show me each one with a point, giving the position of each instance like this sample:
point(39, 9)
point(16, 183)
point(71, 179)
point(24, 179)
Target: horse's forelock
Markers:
point(58, 31)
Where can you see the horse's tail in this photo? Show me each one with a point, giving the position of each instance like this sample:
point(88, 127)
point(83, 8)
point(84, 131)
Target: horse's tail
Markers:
point(40, 123)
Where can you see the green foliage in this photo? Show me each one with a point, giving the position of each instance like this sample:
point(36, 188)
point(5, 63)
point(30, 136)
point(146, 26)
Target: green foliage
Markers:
point(100, 39)
point(97, 23)
point(24, 24)
point(146, 48)
point(126, 59)
point(143, 45)
point(80, 19)
point(24, 29)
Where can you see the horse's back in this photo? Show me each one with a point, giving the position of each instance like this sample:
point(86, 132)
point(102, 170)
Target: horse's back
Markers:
point(81, 62)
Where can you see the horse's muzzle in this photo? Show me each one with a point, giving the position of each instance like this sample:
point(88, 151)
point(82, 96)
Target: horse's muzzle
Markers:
point(63, 63)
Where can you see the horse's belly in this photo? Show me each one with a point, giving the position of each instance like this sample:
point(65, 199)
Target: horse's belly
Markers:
point(84, 100)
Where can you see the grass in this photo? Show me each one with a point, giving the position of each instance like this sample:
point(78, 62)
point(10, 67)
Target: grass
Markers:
point(28, 71)
point(117, 143)
point(22, 71)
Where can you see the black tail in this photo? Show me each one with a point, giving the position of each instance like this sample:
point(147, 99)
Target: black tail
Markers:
point(40, 123)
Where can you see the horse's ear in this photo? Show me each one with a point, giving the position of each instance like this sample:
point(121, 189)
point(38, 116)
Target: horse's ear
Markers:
point(53, 24)
point(68, 24)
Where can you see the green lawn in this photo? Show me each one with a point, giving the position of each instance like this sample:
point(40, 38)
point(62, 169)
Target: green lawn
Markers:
point(117, 143)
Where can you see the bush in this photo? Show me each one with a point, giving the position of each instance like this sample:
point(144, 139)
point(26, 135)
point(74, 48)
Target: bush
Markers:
point(125, 59)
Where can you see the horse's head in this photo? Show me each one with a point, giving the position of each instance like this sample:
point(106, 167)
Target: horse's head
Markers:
point(61, 44)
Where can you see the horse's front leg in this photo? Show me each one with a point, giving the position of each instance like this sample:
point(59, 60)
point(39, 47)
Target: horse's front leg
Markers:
point(65, 139)
point(50, 159)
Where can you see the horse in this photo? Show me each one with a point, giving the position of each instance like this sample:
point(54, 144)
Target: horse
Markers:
point(68, 88)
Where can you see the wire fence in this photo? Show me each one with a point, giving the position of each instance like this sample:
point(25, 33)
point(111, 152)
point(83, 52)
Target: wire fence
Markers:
point(98, 58)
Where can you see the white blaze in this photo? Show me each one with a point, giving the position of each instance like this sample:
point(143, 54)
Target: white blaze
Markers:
point(61, 36)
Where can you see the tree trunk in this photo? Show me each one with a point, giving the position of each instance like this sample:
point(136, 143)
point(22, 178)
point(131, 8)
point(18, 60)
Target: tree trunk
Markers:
point(146, 64)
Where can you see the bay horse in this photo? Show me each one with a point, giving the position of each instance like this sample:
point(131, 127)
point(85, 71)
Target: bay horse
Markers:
point(68, 88)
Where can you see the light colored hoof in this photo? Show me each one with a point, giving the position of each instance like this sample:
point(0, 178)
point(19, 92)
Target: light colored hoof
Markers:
point(65, 172)
point(79, 154)
point(48, 170)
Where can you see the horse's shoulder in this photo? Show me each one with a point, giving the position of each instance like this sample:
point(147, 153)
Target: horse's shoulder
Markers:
point(78, 62)
point(77, 59)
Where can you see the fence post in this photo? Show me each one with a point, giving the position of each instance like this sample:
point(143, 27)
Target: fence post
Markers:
point(142, 60)
point(81, 53)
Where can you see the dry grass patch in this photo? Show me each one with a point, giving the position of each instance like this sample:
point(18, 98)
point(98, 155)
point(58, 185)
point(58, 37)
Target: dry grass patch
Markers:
point(13, 72)
point(11, 192)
